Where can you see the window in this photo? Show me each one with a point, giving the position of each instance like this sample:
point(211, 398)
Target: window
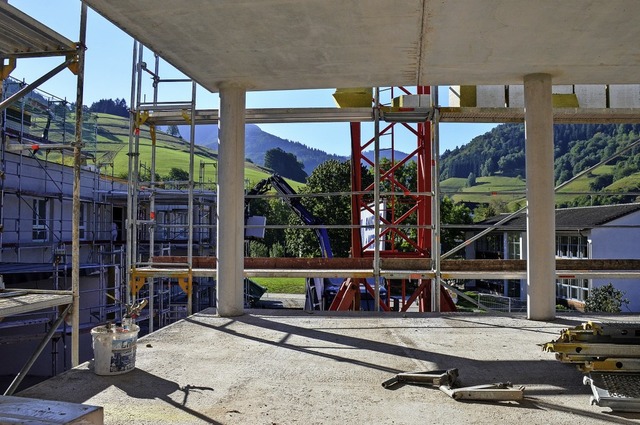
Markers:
point(39, 227)
point(572, 289)
point(490, 246)
point(513, 240)
point(571, 246)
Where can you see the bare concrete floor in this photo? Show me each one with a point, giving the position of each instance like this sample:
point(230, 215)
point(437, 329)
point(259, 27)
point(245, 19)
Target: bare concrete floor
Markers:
point(291, 367)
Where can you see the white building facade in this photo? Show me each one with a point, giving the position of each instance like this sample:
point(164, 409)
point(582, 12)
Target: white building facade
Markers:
point(601, 232)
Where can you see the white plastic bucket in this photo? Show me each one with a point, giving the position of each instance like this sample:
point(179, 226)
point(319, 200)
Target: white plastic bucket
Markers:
point(114, 349)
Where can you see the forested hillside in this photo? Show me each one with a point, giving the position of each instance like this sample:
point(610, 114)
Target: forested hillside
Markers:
point(258, 142)
point(500, 152)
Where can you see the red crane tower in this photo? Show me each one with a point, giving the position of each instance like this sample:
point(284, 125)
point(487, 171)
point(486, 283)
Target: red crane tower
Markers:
point(407, 220)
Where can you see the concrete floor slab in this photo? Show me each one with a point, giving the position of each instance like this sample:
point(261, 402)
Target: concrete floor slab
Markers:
point(293, 367)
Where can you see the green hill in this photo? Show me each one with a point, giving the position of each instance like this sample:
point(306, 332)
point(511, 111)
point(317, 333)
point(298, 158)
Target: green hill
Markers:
point(497, 161)
point(171, 152)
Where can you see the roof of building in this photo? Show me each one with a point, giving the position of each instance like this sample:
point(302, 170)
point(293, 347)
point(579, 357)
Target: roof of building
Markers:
point(573, 218)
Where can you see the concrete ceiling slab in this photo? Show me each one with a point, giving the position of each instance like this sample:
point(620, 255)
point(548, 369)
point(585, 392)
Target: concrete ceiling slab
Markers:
point(300, 44)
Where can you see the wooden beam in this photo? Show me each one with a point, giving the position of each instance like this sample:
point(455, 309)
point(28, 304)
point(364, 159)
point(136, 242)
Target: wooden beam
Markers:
point(267, 263)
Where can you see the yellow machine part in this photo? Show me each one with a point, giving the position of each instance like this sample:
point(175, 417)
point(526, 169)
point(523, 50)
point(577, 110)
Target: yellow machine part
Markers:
point(360, 97)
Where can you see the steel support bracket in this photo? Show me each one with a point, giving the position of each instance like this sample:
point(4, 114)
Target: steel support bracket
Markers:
point(74, 63)
point(186, 116)
point(141, 118)
point(185, 282)
point(137, 282)
point(6, 69)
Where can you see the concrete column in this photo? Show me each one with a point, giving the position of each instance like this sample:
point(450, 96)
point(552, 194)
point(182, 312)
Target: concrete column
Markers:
point(541, 263)
point(230, 220)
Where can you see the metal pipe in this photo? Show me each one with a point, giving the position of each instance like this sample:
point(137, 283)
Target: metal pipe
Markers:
point(192, 144)
point(130, 188)
point(43, 343)
point(29, 88)
point(376, 201)
point(152, 198)
point(435, 201)
point(75, 225)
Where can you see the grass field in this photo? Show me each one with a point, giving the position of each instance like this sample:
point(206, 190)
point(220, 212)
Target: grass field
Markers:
point(282, 285)
point(485, 189)
point(171, 152)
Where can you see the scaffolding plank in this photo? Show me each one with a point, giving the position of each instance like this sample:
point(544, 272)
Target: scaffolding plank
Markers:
point(446, 115)
point(21, 410)
point(618, 391)
point(22, 36)
point(27, 302)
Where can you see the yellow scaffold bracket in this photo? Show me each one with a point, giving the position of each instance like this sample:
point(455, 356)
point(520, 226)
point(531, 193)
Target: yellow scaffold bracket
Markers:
point(6, 69)
point(137, 282)
point(186, 116)
point(75, 65)
point(185, 282)
point(152, 132)
point(141, 118)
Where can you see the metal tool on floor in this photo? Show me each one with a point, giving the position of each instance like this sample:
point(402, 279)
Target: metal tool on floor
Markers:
point(445, 381)
point(501, 391)
point(434, 377)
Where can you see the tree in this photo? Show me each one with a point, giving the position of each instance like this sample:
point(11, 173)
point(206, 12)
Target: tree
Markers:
point(606, 299)
point(174, 131)
point(330, 176)
point(600, 182)
point(452, 213)
point(284, 163)
point(471, 180)
point(258, 249)
point(109, 106)
point(178, 174)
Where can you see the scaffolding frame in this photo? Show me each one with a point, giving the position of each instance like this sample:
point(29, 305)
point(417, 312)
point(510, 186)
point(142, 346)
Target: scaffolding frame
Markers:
point(142, 219)
point(25, 38)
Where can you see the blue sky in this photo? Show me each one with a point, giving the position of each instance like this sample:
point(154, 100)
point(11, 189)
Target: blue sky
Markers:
point(108, 75)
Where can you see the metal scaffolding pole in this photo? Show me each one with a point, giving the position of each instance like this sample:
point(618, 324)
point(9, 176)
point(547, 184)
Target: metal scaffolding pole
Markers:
point(376, 200)
point(132, 187)
point(75, 218)
point(435, 202)
point(192, 144)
